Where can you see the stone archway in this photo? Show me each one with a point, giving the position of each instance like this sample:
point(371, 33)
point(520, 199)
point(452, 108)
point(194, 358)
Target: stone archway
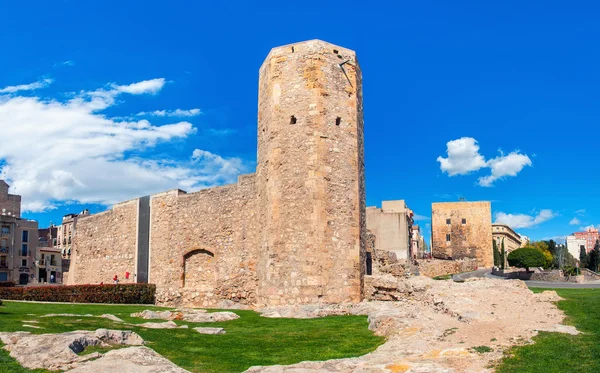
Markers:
point(199, 271)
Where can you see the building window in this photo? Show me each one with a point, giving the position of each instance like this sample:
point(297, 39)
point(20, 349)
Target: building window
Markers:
point(25, 236)
point(448, 237)
point(464, 221)
point(448, 221)
point(5, 229)
point(23, 262)
point(24, 249)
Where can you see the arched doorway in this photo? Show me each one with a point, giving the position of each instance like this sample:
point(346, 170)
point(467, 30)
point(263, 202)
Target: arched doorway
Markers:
point(199, 271)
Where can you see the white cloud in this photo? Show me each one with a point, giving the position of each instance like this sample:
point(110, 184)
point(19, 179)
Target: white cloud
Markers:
point(146, 86)
point(592, 226)
point(463, 157)
point(171, 113)
point(518, 221)
point(65, 63)
point(503, 166)
point(574, 221)
point(580, 212)
point(55, 152)
point(27, 87)
point(418, 217)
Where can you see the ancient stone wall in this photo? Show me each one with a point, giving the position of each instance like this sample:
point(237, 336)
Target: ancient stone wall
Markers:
point(10, 204)
point(105, 246)
point(203, 245)
point(439, 267)
point(310, 175)
point(470, 230)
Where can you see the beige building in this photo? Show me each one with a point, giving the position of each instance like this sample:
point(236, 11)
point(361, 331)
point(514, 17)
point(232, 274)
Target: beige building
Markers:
point(292, 233)
point(391, 225)
point(503, 233)
point(524, 240)
point(66, 232)
point(462, 230)
point(48, 259)
point(18, 240)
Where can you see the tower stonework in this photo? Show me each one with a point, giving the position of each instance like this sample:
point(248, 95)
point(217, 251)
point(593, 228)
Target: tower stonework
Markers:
point(310, 176)
point(292, 233)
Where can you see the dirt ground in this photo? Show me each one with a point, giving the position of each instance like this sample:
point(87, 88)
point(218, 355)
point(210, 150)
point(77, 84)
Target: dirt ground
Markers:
point(439, 326)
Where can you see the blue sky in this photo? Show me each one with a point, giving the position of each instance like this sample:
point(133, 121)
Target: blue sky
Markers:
point(89, 93)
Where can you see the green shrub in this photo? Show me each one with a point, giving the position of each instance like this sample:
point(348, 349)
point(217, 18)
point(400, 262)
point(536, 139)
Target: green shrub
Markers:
point(117, 294)
point(570, 271)
point(526, 257)
point(6, 284)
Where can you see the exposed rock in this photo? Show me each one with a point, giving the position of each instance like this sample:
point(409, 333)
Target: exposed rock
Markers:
point(111, 317)
point(159, 325)
point(129, 360)
point(59, 351)
point(558, 328)
point(434, 324)
point(210, 330)
point(187, 314)
point(32, 326)
point(547, 296)
point(105, 316)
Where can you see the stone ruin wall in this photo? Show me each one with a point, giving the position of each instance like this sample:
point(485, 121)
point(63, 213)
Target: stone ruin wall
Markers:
point(471, 240)
point(440, 267)
point(105, 246)
point(203, 245)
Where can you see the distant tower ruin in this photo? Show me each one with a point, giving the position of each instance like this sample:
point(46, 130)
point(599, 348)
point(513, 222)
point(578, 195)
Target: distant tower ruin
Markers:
point(310, 176)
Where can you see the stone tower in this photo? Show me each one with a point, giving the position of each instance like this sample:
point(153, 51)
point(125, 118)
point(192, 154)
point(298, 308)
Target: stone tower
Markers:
point(310, 176)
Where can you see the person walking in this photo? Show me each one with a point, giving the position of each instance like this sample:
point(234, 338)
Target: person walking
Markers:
point(116, 279)
point(51, 279)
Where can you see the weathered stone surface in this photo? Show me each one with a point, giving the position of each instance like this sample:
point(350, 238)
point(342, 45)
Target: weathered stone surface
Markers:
point(163, 315)
point(32, 326)
point(187, 314)
point(59, 351)
point(434, 324)
point(547, 296)
point(293, 233)
point(210, 317)
point(105, 316)
point(159, 325)
point(440, 267)
point(210, 330)
point(473, 239)
point(111, 317)
point(129, 360)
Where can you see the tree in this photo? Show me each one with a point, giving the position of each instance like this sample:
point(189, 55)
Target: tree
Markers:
point(502, 256)
point(583, 257)
point(526, 257)
point(496, 254)
point(594, 257)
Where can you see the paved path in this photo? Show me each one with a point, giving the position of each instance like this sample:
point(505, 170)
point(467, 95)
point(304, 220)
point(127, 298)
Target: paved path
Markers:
point(532, 284)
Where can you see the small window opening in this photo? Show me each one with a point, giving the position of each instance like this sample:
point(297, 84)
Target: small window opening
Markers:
point(448, 221)
point(447, 237)
point(292, 49)
point(369, 264)
point(335, 51)
point(464, 221)
point(338, 121)
point(292, 120)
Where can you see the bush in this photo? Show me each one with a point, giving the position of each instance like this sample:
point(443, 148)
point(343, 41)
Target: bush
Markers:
point(6, 284)
point(526, 257)
point(118, 294)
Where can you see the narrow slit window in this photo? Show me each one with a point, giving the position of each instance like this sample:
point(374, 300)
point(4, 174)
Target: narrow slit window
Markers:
point(292, 120)
point(464, 221)
point(447, 237)
point(292, 49)
point(338, 121)
point(448, 221)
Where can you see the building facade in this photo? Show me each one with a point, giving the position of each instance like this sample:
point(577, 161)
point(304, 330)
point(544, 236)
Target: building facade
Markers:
point(294, 232)
point(18, 240)
point(66, 232)
point(574, 245)
point(462, 230)
point(416, 249)
point(502, 233)
point(391, 225)
point(524, 240)
point(590, 236)
point(48, 260)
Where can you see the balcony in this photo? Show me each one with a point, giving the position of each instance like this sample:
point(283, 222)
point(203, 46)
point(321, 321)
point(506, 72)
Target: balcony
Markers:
point(3, 265)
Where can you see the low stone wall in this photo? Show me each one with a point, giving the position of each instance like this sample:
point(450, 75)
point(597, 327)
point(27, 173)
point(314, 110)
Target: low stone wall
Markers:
point(590, 275)
point(547, 276)
point(440, 267)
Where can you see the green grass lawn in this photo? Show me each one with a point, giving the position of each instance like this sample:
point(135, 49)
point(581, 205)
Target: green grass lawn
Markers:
point(250, 340)
point(555, 352)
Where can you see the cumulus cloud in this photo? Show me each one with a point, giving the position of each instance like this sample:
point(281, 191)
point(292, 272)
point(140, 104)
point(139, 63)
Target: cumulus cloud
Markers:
point(418, 217)
point(27, 87)
point(171, 113)
point(516, 221)
point(56, 152)
point(463, 157)
point(591, 226)
point(574, 221)
point(505, 165)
